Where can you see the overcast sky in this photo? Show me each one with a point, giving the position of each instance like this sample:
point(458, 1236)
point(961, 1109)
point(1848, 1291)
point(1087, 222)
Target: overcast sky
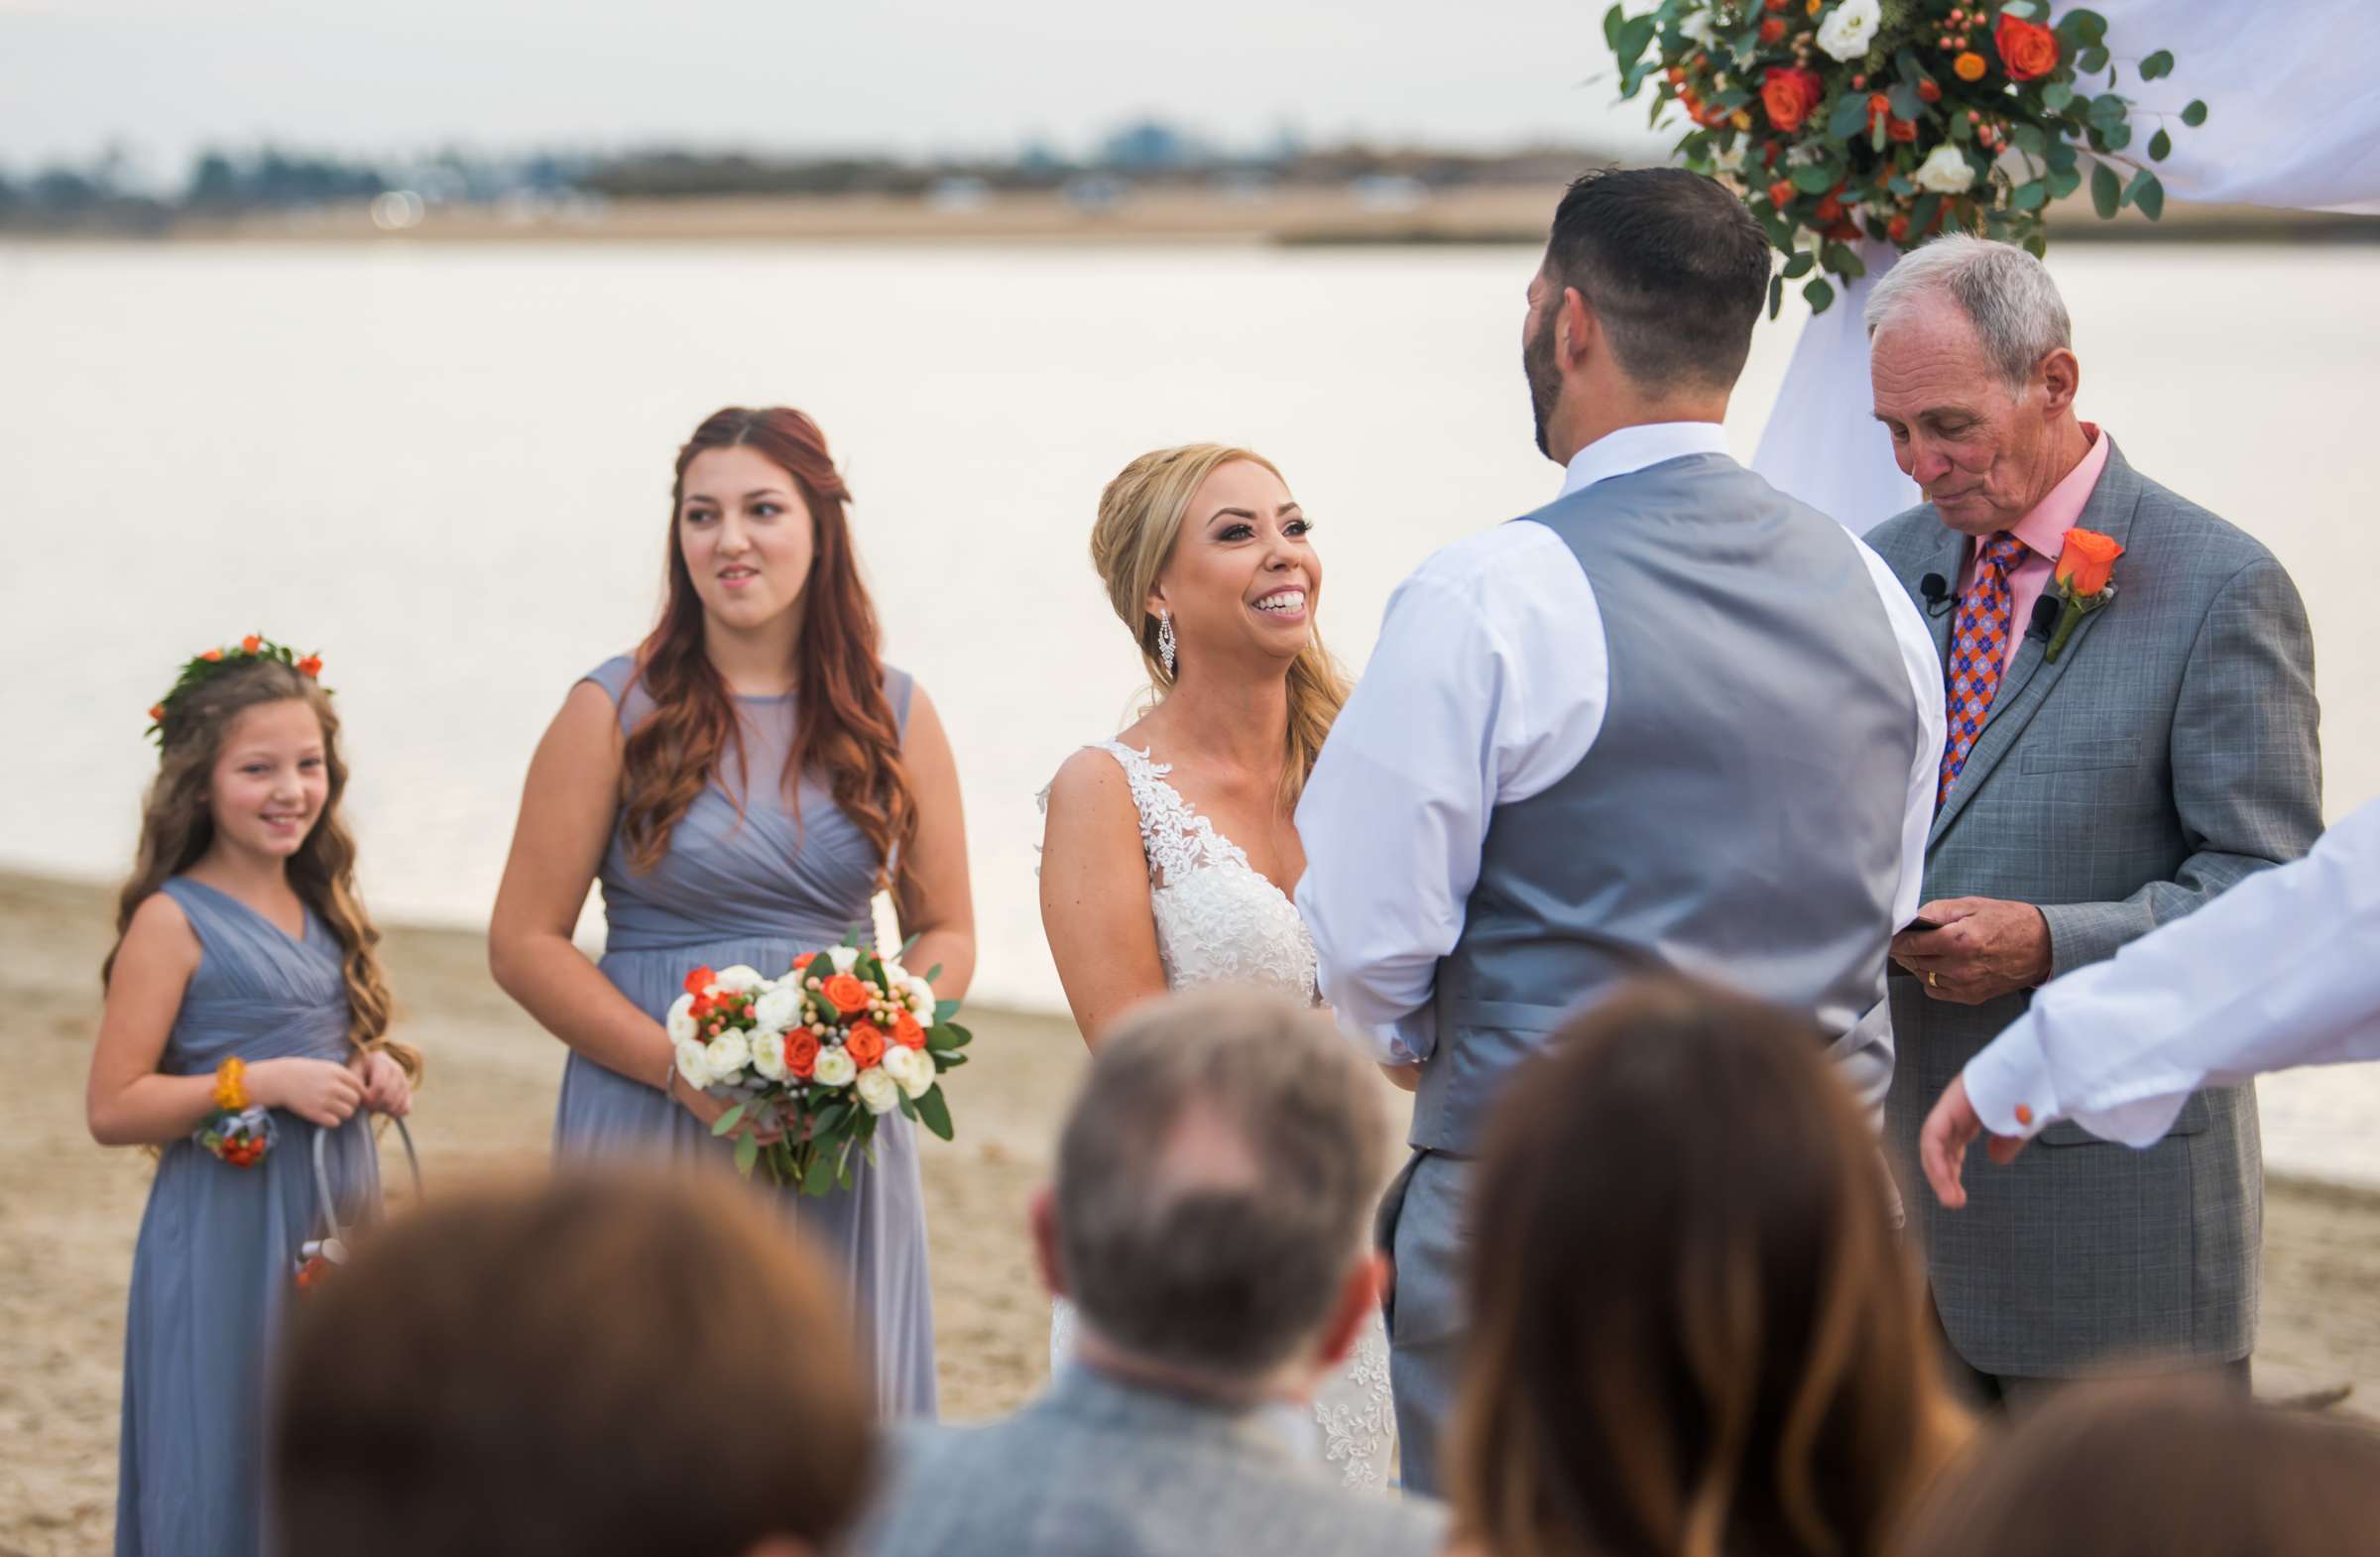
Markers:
point(167, 76)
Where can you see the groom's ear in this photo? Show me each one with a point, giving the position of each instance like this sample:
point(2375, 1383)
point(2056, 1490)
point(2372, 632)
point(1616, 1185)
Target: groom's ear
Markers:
point(1574, 328)
point(1044, 1221)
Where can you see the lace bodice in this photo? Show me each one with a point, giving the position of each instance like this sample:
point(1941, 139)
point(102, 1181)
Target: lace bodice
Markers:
point(1219, 921)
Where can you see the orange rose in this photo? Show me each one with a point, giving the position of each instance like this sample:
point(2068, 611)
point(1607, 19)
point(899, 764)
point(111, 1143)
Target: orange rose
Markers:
point(1774, 5)
point(310, 665)
point(1900, 130)
point(1789, 93)
point(1927, 91)
point(156, 711)
point(1830, 209)
point(2085, 562)
point(1780, 193)
point(1772, 31)
point(2028, 50)
point(1897, 230)
point(212, 656)
point(865, 1044)
point(847, 992)
point(802, 1053)
point(252, 643)
point(805, 960)
point(1969, 66)
point(906, 1032)
point(698, 980)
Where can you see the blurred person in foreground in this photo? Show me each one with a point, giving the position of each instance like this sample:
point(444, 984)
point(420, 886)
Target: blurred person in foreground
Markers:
point(2278, 972)
point(2177, 1468)
point(604, 1365)
point(1695, 1331)
point(1214, 1183)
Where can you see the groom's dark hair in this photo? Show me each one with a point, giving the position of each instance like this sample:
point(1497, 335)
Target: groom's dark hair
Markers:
point(1674, 267)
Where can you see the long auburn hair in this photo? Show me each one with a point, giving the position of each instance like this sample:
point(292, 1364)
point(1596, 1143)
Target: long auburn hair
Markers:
point(1141, 517)
point(178, 827)
point(1695, 1333)
point(843, 723)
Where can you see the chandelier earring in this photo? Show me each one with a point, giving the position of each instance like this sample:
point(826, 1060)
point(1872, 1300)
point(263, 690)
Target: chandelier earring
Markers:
point(1165, 640)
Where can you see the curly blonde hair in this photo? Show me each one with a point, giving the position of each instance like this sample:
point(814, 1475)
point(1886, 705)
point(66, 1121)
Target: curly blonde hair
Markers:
point(1139, 519)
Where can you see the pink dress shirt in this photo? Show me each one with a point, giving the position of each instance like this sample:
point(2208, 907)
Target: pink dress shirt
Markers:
point(2044, 534)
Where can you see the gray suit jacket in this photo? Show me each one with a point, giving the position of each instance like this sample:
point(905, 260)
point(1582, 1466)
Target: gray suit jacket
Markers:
point(2170, 752)
point(1096, 1468)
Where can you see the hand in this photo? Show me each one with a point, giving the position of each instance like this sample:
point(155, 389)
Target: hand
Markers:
point(385, 1089)
point(1406, 1078)
point(1943, 1140)
point(1984, 949)
point(320, 1090)
point(708, 1108)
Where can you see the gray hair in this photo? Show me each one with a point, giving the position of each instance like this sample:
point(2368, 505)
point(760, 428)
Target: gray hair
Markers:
point(1216, 1179)
point(2005, 292)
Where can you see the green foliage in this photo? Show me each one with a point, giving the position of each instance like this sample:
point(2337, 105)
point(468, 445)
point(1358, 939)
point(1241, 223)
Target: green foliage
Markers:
point(2195, 114)
point(2107, 193)
point(2147, 192)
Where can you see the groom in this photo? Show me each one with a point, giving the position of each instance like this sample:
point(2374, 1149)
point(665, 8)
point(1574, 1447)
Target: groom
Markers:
point(1673, 720)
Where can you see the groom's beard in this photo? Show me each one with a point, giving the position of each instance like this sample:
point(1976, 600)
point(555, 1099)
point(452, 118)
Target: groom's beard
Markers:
point(1545, 381)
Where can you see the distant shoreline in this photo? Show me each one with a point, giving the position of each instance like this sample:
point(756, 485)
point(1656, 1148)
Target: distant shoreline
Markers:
point(1292, 217)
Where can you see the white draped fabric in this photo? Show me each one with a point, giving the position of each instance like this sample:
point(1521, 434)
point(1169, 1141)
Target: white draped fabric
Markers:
point(2294, 122)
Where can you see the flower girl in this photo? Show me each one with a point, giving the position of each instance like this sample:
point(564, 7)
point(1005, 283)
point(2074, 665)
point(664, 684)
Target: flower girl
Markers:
point(246, 1012)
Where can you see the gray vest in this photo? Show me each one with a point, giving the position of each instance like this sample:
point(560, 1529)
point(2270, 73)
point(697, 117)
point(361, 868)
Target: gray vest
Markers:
point(1739, 815)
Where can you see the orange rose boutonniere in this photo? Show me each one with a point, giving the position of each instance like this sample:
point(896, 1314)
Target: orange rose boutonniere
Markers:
point(2086, 567)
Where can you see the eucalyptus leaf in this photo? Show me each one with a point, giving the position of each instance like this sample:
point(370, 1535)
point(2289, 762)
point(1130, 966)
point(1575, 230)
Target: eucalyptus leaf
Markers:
point(2158, 65)
point(2062, 156)
point(944, 1011)
point(1814, 177)
point(2064, 184)
point(2161, 146)
point(1922, 214)
point(2030, 197)
point(2056, 96)
point(2117, 137)
point(728, 1121)
point(747, 1150)
point(2030, 139)
point(2019, 8)
point(1611, 20)
point(2106, 192)
point(2195, 114)
point(1840, 259)
point(1634, 34)
point(1849, 114)
point(1776, 295)
point(1820, 295)
point(2091, 62)
point(933, 973)
point(1799, 266)
point(2037, 244)
point(2147, 192)
point(1906, 104)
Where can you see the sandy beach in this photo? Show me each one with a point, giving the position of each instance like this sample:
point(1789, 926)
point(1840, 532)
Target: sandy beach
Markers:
point(69, 1210)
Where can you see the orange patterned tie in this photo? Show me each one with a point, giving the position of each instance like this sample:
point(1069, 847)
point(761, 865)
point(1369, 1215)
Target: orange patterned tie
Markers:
point(1978, 649)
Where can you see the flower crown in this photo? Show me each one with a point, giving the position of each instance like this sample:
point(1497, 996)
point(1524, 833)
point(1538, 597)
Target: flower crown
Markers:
point(198, 668)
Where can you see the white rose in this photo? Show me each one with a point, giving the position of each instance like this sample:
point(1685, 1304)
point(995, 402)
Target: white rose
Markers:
point(911, 1069)
point(778, 1008)
point(680, 1020)
point(693, 1062)
point(1849, 31)
point(1944, 172)
point(921, 999)
point(843, 957)
point(738, 980)
point(727, 1054)
point(1731, 160)
point(1696, 29)
point(880, 1092)
point(769, 1055)
point(834, 1069)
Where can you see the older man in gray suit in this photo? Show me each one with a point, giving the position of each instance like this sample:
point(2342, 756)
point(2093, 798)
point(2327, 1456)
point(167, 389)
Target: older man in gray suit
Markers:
point(1214, 1186)
point(2163, 751)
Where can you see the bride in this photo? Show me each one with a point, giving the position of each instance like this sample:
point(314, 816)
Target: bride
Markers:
point(1170, 852)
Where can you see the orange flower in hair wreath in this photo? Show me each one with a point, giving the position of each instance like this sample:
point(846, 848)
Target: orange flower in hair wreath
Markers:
point(212, 662)
point(2083, 579)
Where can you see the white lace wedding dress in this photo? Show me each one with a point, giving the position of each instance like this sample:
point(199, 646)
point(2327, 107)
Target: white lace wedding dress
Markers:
point(1220, 921)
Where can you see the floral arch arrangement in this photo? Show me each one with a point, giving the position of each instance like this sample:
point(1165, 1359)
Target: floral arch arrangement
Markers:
point(1892, 119)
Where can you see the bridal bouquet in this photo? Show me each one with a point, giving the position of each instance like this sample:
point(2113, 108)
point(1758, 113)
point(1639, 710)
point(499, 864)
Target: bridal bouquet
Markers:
point(841, 1038)
point(1892, 119)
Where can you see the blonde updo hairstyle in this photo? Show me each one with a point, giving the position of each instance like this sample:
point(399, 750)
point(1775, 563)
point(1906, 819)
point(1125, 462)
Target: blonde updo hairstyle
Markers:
point(1141, 517)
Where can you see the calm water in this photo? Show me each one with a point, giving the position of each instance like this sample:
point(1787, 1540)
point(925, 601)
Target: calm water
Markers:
point(449, 469)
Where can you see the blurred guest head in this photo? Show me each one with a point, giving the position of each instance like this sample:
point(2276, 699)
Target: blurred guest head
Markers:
point(1204, 541)
point(761, 553)
point(1215, 1182)
point(2176, 1468)
point(1693, 1332)
point(1643, 307)
point(600, 1364)
point(1972, 363)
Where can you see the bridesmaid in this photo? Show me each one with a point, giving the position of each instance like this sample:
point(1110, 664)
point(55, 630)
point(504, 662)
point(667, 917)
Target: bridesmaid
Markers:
point(742, 785)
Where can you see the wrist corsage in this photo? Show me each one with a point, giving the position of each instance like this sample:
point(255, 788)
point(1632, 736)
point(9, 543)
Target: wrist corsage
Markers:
point(238, 1131)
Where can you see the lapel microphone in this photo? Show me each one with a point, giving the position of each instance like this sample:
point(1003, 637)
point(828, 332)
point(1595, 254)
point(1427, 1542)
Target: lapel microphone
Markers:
point(1937, 590)
point(2045, 617)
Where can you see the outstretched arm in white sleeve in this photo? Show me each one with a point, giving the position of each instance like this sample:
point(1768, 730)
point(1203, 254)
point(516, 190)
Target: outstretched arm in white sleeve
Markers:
point(2280, 971)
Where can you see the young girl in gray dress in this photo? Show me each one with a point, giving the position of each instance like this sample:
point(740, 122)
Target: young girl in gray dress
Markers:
point(245, 1012)
point(742, 785)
